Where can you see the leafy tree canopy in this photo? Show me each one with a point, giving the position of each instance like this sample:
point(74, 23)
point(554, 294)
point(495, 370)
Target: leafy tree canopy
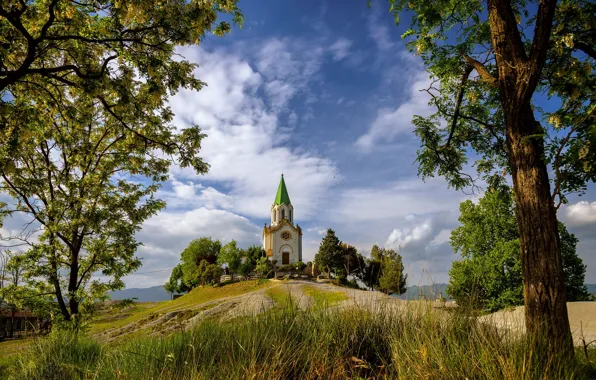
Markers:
point(489, 274)
point(120, 54)
point(198, 250)
point(254, 253)
point(231, 256)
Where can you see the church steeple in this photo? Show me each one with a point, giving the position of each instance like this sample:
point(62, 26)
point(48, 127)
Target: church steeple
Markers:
point(282, 208)
point(282, 196)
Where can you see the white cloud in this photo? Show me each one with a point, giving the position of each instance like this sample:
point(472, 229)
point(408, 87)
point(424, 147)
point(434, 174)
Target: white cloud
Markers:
point(340, 49)
point(580, 213)
point(245, 131)
point(391, 123)
point(404, 238)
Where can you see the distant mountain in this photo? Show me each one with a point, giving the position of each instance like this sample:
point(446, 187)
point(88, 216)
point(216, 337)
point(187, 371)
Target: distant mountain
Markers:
point(428, 291)
point(591, 288)
point(152, 294)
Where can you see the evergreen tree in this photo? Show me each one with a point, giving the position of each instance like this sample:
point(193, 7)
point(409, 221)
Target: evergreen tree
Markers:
point(329, 257)
point(393, 278)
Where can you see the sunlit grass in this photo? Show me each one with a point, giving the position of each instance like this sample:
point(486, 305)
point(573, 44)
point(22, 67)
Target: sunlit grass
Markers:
point(280, 295)
point(191, 300)
point(323, 298)
point(329, 343)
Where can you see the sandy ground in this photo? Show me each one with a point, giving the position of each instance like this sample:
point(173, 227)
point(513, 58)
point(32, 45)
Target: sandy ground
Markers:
point(582, 315)
point(582, 319)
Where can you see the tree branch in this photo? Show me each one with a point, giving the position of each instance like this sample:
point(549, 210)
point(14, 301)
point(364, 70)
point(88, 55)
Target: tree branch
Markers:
point(481, 70)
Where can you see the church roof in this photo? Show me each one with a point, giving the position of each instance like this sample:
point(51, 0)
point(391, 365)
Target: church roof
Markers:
point(282, 193)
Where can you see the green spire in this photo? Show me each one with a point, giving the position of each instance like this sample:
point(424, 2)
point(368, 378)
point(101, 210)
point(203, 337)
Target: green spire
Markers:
point(282, 193)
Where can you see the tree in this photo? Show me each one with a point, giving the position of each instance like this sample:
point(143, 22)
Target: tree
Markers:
point(490, 274)
point(330, 254)
point(372, 269)
point(254, 253)
point(176, 284)
point(124, 59)
point(87, 184)
point(263, 267)
point(208, 273)
point(393, 279)
point(198, 250)
point(353, 262)
point(231, 256)
point(493, 113)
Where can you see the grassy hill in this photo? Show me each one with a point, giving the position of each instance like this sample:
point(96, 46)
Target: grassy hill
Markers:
point(289, 329)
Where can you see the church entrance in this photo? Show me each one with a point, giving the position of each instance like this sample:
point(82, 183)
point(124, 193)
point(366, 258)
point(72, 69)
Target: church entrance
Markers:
point(285, 258)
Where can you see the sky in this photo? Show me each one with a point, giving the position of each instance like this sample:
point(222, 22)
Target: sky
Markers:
point(323, 92)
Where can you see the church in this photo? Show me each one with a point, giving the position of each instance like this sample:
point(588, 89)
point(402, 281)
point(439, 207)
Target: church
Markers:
point(282, 240)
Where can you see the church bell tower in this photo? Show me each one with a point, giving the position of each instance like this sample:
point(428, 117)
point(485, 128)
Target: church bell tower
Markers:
point(282, 240)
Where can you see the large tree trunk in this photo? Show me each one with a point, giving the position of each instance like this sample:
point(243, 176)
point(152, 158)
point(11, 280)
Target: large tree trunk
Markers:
point(518, 76)
point(544, 283)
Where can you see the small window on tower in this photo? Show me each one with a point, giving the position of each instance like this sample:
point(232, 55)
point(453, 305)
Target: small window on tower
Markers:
point(290, 215)
point(283, 214)
point(286, 235)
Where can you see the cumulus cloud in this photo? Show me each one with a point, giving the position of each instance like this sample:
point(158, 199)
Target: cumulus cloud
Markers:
point(580, 213)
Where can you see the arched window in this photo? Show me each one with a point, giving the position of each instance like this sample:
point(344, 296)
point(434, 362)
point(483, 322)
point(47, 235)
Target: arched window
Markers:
point(290, 215)
point(283, 214)
point(274, 216)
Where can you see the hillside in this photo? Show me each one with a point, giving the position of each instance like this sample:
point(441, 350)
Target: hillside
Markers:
point(253, 297)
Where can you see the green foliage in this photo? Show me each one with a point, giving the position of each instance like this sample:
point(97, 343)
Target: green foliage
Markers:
point(393, 279)
point(350, 343)
point(253, 253)
point(373, 266)
point(120, 54)
point(263, 267)
point(175, 284)
point(489, 274)
point(198, 250)
point(208, 273)
point(329, 257)
point(452, 37)
point(245, 268)
point(231, 256)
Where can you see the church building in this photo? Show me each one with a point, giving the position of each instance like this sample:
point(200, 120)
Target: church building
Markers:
point(282, 240)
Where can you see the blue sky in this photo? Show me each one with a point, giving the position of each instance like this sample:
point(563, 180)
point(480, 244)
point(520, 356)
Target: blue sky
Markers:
point(325, 92)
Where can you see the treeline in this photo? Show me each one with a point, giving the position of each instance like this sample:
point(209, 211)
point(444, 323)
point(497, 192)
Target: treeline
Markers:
point(201, 263)
point(383, 270)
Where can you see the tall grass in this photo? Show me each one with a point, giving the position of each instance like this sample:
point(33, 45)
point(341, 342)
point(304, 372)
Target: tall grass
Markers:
point(415, 342)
